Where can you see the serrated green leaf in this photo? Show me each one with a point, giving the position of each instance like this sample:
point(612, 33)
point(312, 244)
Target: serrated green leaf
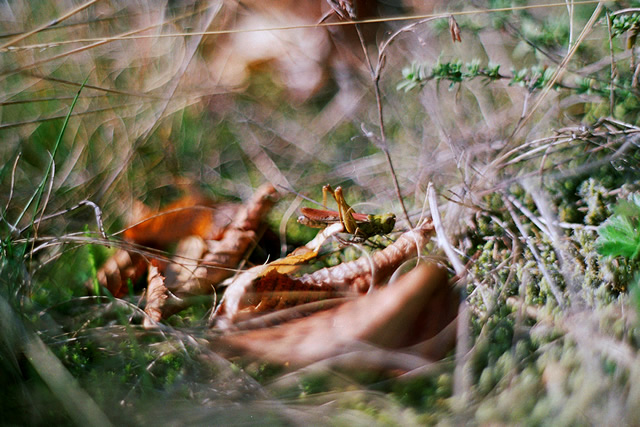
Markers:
point(619, 237)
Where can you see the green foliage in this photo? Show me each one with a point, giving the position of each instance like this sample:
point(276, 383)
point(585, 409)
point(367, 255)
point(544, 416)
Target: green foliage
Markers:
point(414, 76)
point(417, 75)
point(620, 234)
point(622, 23)
point(426, 393)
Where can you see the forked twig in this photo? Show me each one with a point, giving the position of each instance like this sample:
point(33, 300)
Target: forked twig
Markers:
point(96, 210)
point(375, 77)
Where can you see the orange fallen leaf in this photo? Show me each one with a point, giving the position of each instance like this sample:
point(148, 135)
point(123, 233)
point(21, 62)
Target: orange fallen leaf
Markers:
point(222, 257)
point(189, 216)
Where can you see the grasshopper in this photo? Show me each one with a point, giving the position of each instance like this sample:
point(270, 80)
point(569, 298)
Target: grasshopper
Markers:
point(360, 225)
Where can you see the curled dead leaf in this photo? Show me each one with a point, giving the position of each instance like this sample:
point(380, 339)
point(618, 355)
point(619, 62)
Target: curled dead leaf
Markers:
point(199, 266)
point(454, 29)
point(260, 289)
point(411, 314)
point(255, 293)
point(191, 215)
point(365, 272)
point(222, 257)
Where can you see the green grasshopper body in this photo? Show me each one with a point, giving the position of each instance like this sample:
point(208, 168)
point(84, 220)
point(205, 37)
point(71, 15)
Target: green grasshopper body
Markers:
point(358, 224)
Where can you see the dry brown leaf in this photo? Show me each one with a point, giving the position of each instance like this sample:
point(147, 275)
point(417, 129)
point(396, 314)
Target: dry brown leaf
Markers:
point(454, 29)
point(412, 313)
point(121, 267)
point(341, 280)
point(223, 256)
point(200, 265)
point(361, 274)
point(156, 297)
point(191, 215)
point(259, 293)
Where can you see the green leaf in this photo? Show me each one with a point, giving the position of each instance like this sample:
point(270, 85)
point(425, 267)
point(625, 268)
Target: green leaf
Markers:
point(620, 234)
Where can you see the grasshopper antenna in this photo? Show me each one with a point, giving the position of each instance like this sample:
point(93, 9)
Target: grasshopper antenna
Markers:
point(308, 199)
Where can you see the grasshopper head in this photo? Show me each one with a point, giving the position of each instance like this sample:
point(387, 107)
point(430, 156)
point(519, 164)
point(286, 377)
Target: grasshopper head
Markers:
point(385, 223)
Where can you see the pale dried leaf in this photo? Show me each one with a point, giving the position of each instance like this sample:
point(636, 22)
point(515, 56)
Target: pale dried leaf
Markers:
point(181, 272)
point(156, 297)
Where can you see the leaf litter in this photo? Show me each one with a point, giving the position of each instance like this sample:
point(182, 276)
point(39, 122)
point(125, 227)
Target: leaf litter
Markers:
point(271, 313)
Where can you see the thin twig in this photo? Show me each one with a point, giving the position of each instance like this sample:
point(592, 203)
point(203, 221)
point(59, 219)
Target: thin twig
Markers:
point(375, 77)
point(46, 198)
point(570, 8)
point(49, 24)
point(13, 228)
point(472, 12)
point(613, 67)
point(376, 84)
point(96, 210)
point(534, 219)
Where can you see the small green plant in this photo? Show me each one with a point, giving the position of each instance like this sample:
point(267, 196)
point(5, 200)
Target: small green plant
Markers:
point(622, 23)
point(417, 75)
point(620, 234)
